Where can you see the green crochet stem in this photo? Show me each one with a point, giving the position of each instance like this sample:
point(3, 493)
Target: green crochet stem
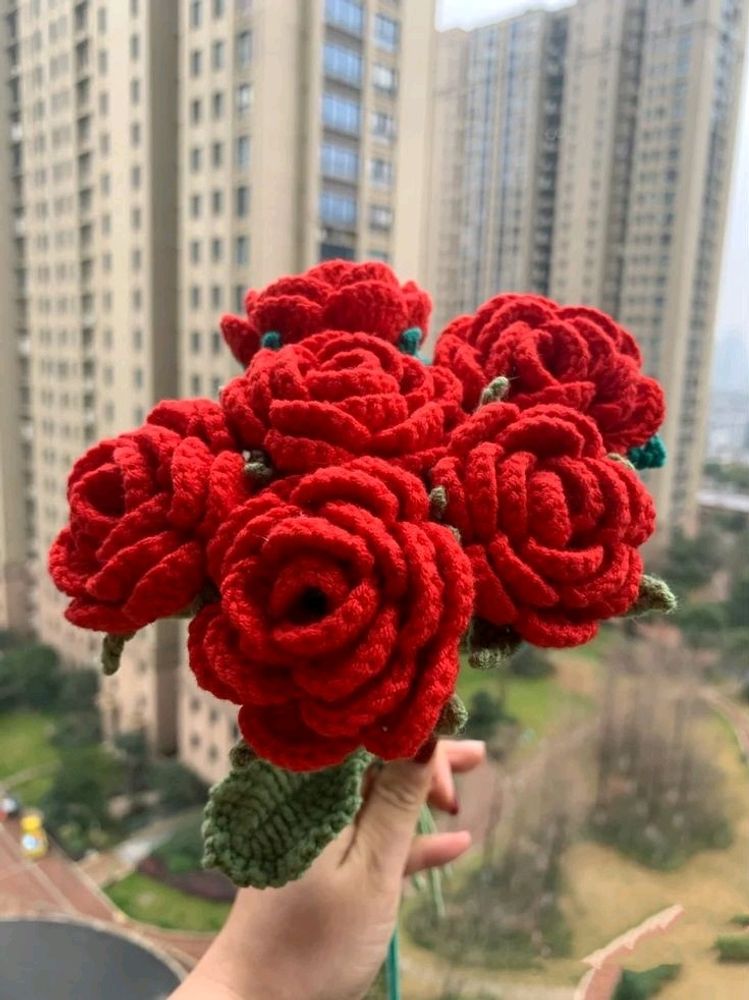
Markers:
point(264, 826)
point(392, 968)
point(651, 455)
point(410, 340)
point(111, 651)
point(655, 596)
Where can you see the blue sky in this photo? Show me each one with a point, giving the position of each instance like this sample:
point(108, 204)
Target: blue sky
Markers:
point(733, 310)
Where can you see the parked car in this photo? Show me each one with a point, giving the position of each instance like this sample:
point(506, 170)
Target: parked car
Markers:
point(10, 807)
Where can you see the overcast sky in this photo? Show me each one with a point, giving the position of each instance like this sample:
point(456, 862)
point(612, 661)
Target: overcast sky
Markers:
point(733, 310)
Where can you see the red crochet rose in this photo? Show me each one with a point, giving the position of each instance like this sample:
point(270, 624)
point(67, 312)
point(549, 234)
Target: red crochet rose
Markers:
point(572, 355)
point(336, 295)
point(200, 418)
point(340, 614)
point(140, 507)
point(550, 523)
point(340, 395)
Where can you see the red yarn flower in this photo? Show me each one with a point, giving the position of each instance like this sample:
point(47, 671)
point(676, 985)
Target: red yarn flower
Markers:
point(340, 395)
point(200, 418)
point(141, 505)
point(550, 523)
point(572, 355)
point(340, 614)
point(336, 295)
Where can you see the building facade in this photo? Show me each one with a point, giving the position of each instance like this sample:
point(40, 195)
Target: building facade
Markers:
point(304, 135)
point(595, 152)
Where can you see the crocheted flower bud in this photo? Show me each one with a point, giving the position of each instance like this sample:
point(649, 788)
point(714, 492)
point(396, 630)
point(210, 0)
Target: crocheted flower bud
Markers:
point(341, 609)
point(340, 395)
point(200, 418)
point(141, 506)
point(550, 523)
point(338, 295)
point(573, 355)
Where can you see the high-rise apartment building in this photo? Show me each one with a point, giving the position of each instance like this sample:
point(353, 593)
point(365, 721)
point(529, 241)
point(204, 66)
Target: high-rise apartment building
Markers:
point(498, 94)
point(612, 190)
point(92, 199)
point(304, 136)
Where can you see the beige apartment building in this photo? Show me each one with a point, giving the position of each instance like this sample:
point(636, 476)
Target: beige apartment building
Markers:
point(608, 185)
point(304, 135)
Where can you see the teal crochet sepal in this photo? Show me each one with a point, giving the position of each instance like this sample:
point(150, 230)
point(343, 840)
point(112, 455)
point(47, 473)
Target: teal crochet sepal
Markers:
point(264, 826)
point(651, 455)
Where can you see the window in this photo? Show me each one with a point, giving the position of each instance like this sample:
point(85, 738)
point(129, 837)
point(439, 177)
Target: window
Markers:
point(242, 196)
point(346, 14)
point(387, 32)
point(196, 61)
point(217, 55)
point(339, 161)
point(196, 13)
point(381, 172)
point(244, 98)
point(341, 114)
point(242, 152)
point(342, 63)
point(138, 378)
point(133, 8)
point(380, 217)
point(135, 134)
point(196, 385)
point(135, 177)
point(101, 16)
point(134, 47)
point(337, 209)
point(383, 125)
point(217, 105)
point(195, 297)
point(215, 297)
point(136, 260)
point(335, 251)
point(217, 201)
point(196, 109)
point(217, 250)
point(135, 218)
point(385, 78)
point(195, 251)
point(238, 298)
point(195, 159)
point(219, 6)
point(241, 250)
point(217, 154)
point(244, 49)
point(137, 339)
point(216, 338)
point(135, 91)
point(195, 206)
point(195, 341)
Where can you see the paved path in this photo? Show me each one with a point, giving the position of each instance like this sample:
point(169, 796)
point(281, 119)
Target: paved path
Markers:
point(55, 885)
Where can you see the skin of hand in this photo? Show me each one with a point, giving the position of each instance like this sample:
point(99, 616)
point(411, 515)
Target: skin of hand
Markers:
point(325, 936)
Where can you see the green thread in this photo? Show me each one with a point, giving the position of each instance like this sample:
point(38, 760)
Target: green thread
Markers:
point(496, 391)
point(438, 502)
point(490, 647)
point(651, 455)
point(655, 596)
point(258, 467)
point(410, 340)
point(453, 718)
point(111, 651)
point(264, 826)
point(392, 968)
point(271, 340)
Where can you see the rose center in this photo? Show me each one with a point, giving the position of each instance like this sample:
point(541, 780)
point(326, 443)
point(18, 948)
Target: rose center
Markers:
point(310, 606)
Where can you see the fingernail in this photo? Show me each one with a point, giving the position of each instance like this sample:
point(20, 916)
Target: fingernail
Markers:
point(455, 807)
point(427, 751)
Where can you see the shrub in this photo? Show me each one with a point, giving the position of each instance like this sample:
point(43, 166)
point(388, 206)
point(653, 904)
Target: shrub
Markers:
point(701, 624)
point(178, 787)
point(643, 985)
point(741, 920)
point(531, 663)
point(733, 948)
point(183, 851)
point(78, 690)
point(30, 677)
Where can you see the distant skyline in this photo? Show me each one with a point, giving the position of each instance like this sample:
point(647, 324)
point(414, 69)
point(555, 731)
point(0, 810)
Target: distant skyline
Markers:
point(733, 308)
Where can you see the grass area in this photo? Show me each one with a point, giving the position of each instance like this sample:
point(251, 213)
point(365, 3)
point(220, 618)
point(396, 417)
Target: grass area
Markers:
point(32, 791)
point(25, 742)
point(152, 902)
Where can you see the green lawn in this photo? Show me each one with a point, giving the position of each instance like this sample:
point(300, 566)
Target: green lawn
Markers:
point(144, 898)
point(25, 742)
point(32, 791)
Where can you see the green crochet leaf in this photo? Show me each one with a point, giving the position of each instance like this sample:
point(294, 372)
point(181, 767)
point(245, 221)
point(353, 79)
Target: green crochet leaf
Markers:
point(651, 455)
point(490, 647)
point(264, 826)
point(655, 596)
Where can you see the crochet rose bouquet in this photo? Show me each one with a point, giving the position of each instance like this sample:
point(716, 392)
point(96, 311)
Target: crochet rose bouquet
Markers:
point(347, 518)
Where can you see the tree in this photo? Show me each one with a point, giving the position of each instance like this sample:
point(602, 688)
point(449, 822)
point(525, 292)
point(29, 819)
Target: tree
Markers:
point(701, 624)
point(691, 562)
point(30, 677)
point(135, 755)
point(737, 608)
point(178, 787)
point(485, 714)
point(80, 793)
point(531, 663)
point(79, 690)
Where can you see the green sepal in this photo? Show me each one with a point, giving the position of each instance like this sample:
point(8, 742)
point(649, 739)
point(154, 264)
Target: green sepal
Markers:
point(453, 718)
point(264, 826)
point(651, 455)
point(490, 647)
point(655, 596)
point(111, 651)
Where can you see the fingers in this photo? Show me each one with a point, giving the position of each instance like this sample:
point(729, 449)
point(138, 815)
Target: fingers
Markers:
point(453, 757)
point(385, 825)
point(435, 850)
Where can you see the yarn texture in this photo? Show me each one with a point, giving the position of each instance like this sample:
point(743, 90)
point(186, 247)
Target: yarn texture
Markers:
point(338, 396)
point(264, 826)
point(341, 610)
point(141, 506)
point(551, 525)
point(573, 355)
point(336, 295)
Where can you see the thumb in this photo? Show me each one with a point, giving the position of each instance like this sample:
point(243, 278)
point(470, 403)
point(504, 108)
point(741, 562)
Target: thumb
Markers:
point(385, 825)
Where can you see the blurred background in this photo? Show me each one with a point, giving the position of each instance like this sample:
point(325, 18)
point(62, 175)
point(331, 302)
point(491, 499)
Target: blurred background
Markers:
point(162, 156)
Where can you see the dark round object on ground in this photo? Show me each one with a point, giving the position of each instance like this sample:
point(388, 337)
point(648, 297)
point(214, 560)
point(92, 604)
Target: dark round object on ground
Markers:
point(60, 960)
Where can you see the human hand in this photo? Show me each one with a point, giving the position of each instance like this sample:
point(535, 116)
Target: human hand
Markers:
point(325, 936)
